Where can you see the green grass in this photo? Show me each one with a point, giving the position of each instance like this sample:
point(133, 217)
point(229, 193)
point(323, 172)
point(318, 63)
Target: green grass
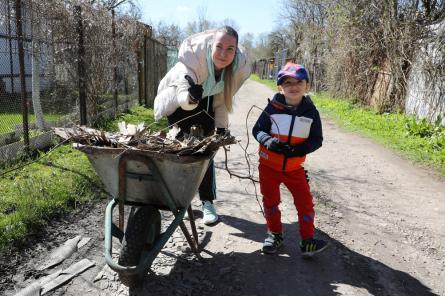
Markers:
point(51, 187)
point(135, 115)
point(417, 140)
point(8, 121)
point(270, 83)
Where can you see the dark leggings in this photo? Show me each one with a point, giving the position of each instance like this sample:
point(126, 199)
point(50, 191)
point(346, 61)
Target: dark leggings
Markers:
point(207, 189)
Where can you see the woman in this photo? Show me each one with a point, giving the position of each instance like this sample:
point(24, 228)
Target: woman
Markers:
point(200, 87)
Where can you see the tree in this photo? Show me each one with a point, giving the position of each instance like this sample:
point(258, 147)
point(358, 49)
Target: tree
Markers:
point(247, 42)
point(278, 40)
point(305, 34)
point(262, 48)
point(170, 35)
point(229, 22)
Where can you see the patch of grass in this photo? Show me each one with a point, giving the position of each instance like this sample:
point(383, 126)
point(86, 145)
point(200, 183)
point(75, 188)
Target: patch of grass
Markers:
point(135, 115)
point(8, 121)
point(417, 140)
point(270, 83)
point(48, 188)
point(52, 187)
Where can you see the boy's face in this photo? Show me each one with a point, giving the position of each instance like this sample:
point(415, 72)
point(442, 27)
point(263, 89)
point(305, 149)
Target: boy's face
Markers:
point(294, 89)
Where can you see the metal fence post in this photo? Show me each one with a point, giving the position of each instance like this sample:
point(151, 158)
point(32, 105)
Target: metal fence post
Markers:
point(114, 53)
point(11, 61)
point(145, 72)
point(152, 73)
point(81, 66)
point(140, 59)
point(19, 24)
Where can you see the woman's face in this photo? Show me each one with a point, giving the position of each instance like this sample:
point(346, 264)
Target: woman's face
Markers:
point(223, 50)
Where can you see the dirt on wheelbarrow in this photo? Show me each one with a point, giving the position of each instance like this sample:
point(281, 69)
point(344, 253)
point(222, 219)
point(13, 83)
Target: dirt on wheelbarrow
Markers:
point(383, 216)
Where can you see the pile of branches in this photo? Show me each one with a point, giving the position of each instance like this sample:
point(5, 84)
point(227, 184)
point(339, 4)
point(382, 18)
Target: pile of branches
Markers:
point(137, 137)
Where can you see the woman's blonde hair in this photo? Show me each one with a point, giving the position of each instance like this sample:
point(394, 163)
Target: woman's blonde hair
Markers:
point(229, 70)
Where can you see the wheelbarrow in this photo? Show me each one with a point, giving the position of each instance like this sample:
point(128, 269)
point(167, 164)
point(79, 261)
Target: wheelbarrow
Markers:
point(149, 182)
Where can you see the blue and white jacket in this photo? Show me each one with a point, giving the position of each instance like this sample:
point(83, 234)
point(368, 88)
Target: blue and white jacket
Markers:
point(292, 125)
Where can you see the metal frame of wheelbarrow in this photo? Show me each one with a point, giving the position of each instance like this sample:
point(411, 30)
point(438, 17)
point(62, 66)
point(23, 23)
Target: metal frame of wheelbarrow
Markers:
point(147, 257)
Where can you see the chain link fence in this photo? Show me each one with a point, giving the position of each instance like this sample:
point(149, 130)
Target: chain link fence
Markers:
point(64, 63)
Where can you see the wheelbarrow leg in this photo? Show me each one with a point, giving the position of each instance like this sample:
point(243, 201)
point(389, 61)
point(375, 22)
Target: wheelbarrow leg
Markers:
point(193, 226)
point(189, 239)
point(121, 215)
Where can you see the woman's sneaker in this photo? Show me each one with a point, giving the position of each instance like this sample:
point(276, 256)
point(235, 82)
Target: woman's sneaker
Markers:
point(272, 243)
point(310, 247)
point(209, 215)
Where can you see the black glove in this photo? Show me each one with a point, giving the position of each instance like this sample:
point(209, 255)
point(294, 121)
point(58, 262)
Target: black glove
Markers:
point(195, 90)
point(298, 150)
point(274, 145)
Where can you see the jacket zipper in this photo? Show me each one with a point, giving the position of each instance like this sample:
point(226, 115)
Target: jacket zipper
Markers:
point(288, 140)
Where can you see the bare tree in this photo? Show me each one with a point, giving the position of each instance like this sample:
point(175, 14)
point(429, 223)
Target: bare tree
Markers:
point(59, 38)
point(246, 41)
point(278, 40)
point(229, 22)
point(380, 40)
point(202, 23)
point(304, 32)
point(262, 48)
point(170, 35)
point(359, 48)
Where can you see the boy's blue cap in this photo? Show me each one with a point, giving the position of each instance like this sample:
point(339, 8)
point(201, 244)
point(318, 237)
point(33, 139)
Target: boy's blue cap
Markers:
point(296, 71)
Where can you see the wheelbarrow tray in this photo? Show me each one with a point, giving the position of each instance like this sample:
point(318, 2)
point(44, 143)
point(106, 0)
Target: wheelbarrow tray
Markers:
point(181, 175)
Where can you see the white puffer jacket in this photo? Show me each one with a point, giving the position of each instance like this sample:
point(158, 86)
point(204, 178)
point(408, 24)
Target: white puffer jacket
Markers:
point(192, 60)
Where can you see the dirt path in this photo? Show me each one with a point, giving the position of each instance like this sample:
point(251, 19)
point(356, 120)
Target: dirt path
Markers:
point(384, 218)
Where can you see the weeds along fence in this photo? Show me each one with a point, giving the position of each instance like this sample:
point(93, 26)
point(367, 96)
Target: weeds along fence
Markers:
point(424, 82)
point(64, 63)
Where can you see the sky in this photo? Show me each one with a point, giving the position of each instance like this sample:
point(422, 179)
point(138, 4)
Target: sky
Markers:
point(251, 16)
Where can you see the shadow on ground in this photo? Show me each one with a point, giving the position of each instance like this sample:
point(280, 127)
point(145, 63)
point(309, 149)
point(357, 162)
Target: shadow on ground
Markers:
point(285, 273)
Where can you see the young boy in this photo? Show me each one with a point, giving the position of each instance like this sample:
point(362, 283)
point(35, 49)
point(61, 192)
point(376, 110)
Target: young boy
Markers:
point(287, 130)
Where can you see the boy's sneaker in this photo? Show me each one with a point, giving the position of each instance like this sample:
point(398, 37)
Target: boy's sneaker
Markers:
point(209, 215)
point(310, 247)
point(272, 243)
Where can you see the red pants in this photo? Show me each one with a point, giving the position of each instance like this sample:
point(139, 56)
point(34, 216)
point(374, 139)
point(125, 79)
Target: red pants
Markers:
point(297, 184)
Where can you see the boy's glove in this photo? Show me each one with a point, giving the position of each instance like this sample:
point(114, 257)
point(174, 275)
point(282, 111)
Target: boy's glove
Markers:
point(295, 150)
point(274, 145)
point(271, 143)
point(195, 90)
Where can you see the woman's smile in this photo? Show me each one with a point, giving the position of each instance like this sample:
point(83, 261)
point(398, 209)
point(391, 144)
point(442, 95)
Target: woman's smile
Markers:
point(223, 50)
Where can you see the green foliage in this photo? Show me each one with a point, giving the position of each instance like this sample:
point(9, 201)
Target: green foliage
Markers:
point(8, 121)
point(270, 83)
point(135, 115)
point(433, 132)
point(48, 188)
point(424, 128)
point(418, 140)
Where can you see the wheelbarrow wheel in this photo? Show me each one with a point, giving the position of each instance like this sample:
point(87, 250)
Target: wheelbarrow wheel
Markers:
point(143, 229)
